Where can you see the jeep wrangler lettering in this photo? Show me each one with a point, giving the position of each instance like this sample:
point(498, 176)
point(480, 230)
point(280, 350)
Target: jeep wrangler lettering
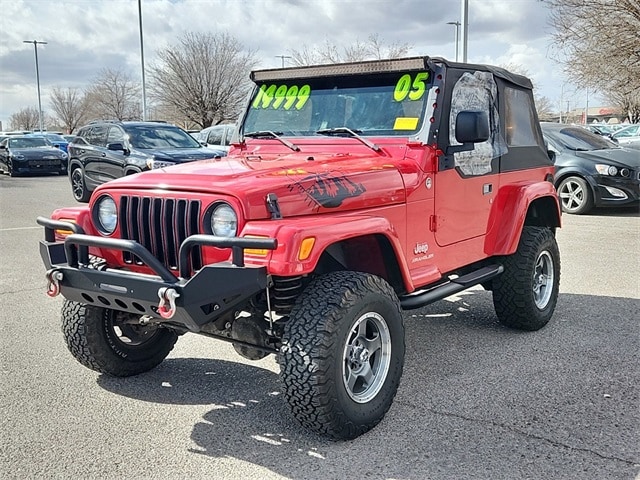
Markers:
point(351, 192)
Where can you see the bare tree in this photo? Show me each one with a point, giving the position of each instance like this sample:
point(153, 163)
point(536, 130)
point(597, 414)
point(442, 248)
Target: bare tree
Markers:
point(373, 49)
point(25, 119)
point(544, 107)
point(205, 77)
point(114, 95)
point(628, 103)
point(599, 43)
point(70, 106)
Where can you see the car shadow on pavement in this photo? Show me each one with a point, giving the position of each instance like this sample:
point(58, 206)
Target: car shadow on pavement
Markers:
point(476, 400)
point(628, 211)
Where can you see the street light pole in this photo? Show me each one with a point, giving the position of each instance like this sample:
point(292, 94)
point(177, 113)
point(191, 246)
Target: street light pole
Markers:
point(465, 28)
point(35, 47)
point(144, 88)
point(283, 57)
point(457, 24)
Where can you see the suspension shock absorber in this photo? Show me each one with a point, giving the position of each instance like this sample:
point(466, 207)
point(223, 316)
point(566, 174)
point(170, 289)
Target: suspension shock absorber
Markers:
point(284, 293)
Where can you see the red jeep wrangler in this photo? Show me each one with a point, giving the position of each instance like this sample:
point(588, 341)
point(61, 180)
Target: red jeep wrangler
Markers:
point(352, 192)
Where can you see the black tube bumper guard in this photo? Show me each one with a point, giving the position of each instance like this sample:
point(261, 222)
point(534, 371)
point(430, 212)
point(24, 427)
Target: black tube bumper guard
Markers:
point(211, 292)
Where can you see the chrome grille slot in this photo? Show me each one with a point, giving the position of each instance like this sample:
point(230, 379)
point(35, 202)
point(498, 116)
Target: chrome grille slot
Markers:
point(160, 225)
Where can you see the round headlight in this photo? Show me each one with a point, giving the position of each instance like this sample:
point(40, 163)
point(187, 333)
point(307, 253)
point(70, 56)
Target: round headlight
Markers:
point(613, 171)
point(107, 215)
point(224, 221)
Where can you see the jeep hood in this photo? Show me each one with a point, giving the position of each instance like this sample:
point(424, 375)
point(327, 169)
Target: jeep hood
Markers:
point(303, 183)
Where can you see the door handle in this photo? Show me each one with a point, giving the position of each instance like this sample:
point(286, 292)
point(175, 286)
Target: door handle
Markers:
point(487, 188)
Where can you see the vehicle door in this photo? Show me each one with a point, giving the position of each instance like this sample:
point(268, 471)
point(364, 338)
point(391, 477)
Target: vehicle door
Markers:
point(115, 153)
point(467, 181)
point(93, 155)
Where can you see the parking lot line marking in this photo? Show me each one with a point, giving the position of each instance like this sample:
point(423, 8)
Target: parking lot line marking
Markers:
point(18, 228)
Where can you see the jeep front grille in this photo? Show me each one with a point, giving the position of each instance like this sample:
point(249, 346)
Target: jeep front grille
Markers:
point(160, 225)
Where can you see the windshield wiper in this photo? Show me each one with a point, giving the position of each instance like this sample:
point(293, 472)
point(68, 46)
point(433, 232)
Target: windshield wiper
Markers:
point(276, 135)
point(350, 133)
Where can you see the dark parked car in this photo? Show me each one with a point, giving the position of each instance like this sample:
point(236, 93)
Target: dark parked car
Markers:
point(55, 139)
point(29, 154)
point(591, 170)
point(109, 150)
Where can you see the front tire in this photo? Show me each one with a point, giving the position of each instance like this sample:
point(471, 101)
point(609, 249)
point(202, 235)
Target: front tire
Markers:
point(526, 293)
point(79, 186)
point(343, 354)
point(102, 340)
point(575, 195)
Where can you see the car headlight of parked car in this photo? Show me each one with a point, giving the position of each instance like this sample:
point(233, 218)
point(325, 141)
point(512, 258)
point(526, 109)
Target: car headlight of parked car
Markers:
point(18, 156)
point(106, 215)
point(224, 221)
point(154, 164)
point(612, 171)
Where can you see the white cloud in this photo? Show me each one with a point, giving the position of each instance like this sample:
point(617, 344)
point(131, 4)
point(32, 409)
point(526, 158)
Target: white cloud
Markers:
point(85, 36)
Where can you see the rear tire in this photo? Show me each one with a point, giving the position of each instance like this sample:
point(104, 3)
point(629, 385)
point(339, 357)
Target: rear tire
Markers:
point(525, 295)
point(343, 354)
point(100, 340)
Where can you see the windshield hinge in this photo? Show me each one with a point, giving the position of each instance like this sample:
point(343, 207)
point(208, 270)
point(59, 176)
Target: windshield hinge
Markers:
point(273, 207)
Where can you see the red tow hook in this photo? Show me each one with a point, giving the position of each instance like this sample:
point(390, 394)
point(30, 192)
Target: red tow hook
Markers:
point(53, 282)
point(167, 305)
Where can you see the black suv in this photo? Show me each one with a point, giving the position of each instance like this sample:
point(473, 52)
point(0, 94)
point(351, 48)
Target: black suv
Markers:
point(109, 149)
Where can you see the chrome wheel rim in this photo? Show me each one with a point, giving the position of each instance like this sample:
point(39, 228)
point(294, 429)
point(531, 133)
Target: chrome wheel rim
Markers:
point(572, 195)
point(543, 280)
point(366, 357)
point(77, 183)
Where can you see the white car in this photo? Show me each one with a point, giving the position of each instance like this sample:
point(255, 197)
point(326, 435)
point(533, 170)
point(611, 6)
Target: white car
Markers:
point(628, 137)
point(218, 136)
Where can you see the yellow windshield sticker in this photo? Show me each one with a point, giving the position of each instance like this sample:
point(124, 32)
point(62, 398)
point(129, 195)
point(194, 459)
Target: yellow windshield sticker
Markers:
point(412, 87)
point(406, 123)
point(282, 96)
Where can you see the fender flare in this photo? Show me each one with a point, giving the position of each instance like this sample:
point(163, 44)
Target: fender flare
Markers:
point(327, 231)
point(518, 205)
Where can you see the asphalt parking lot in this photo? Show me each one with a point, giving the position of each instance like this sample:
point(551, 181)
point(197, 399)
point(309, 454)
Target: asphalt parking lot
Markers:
point(476, 401)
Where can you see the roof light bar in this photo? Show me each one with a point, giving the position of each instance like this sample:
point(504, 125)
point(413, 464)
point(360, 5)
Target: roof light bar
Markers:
point(357, 68)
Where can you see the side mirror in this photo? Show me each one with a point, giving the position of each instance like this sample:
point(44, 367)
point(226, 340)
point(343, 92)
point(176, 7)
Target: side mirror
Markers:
point(552, 155)
point(116, 146)
point(472, 127)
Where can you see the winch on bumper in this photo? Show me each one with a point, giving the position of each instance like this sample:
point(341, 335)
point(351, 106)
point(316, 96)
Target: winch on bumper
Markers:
point(190, 301)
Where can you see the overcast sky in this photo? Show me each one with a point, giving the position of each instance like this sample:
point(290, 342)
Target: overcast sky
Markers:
point(85, 36)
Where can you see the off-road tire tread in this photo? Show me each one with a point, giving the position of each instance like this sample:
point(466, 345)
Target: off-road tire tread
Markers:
point(513, 289)
point(82, 329)
point(313, 328)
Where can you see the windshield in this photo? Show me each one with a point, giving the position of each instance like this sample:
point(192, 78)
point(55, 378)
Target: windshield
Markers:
point(577, 138)
point(630, 131)
point(25, 142)
point(160, 136)
point(388, 104)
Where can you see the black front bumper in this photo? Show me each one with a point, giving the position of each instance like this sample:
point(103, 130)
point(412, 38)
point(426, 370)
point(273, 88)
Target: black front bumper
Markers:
point(211, 292)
